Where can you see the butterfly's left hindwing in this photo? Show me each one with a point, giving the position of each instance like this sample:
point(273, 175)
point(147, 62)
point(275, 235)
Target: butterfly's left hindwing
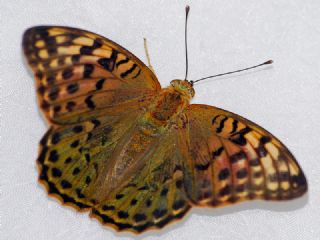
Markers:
point(230, 159)
point(72, 157)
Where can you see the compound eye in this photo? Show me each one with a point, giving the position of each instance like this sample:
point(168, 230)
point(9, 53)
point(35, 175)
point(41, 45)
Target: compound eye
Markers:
point(191, 92)
point(173, 83)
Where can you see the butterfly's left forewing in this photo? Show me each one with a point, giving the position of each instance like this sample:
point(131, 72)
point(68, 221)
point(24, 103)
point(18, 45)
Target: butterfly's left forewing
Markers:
point(80, 75)
point(230, 159)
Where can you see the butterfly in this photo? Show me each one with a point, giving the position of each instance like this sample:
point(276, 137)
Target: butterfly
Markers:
point(138, 156)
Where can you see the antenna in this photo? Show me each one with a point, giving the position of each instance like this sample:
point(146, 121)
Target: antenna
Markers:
point(241, 70)
point(185, 40)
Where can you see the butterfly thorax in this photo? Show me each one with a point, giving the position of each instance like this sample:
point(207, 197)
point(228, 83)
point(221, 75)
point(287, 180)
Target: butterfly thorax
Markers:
point(170, 102)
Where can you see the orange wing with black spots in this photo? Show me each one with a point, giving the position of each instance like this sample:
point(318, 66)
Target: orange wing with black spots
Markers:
point(230, 159)
point(153, 195)
point(80, 74)
point(78, 163)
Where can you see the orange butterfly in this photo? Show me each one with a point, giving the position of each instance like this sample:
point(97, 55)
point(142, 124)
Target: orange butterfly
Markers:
point(138, 156)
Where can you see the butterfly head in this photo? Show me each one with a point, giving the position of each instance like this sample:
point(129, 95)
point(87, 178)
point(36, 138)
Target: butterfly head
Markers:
point(184, 87)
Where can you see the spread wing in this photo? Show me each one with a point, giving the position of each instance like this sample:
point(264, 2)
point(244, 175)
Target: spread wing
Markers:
point(77, 162)
point(80, 74)
point(93, 93)
point(230, 159)
point(155, 195)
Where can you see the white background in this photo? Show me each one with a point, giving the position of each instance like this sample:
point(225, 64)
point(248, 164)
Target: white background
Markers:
point(223, 36)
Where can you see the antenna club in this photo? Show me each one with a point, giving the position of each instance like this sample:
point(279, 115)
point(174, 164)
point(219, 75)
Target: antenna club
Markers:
point(268, 62)
point(187, 9)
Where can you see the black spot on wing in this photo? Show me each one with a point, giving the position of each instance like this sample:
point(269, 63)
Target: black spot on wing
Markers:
point(234, 126)
point(53, 93)
point(68, 160)
point(88, 69)
point(242, 173)
point(123, 214)
point(237, 157)
point(75, 144)
point(56, 172)
point(138, 73)
point(99, 84)
point(214, 119)
point(217, 152)
point(67, 73)
point(119, 196)
point(108, 63)
point(87, 157)
point(77, 129)
point(239, 139)
point(95, 122)
point(65, 184)
point(201, 167)
point(76, 171)
point(41, 90)
point(130, 70)
point(133, 202)
point(53, 156)
point(244, 131)
point(139, 217)
point(70, 106)
point(265, 139)
point(221, 125)
point(75, 58)
point(254, 162)
point(158, 213)
point(88, 180)
point(224, 174)
point(178, 204)
point(225, 191)
point(72, 88)
point(108, 208)
point(55, 138)
point(164, 192)
point(122, 62)
point(89, 102)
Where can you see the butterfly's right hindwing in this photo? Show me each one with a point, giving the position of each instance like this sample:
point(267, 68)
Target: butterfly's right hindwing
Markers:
point(230, 159)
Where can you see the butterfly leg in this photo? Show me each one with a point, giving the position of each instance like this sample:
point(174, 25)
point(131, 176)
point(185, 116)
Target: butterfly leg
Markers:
point(147, 54)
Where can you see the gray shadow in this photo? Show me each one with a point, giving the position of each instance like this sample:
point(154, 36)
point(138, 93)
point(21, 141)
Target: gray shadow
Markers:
point(276, 206)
